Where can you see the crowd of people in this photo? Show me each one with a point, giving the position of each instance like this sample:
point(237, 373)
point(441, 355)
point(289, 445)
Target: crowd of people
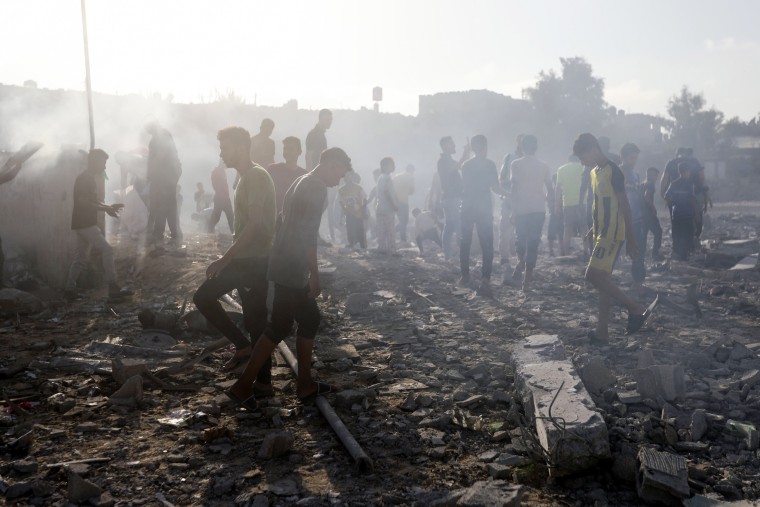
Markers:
point(596, 199)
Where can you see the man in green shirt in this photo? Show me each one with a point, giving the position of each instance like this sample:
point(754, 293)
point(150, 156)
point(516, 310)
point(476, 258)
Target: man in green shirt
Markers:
point(568, 201)
point(244, 265)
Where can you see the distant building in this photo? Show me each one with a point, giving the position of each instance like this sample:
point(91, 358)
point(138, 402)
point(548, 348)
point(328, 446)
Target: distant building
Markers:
point(472, 102)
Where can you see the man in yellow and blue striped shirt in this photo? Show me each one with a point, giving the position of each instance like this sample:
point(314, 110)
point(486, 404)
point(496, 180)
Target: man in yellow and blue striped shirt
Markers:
point(612, 228)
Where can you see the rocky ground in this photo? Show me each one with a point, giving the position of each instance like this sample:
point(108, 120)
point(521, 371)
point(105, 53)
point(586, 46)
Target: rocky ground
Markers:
point(427, 388)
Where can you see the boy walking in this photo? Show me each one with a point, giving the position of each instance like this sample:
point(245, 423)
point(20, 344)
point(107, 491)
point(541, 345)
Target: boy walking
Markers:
point(612, 228)
point(294, 270)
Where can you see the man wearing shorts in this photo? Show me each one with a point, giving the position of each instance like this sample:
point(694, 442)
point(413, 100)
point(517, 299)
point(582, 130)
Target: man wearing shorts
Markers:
point(294, 270)
point(612, 227)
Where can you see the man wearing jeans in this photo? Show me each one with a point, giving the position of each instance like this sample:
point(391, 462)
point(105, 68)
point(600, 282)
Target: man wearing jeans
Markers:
point(244, 265)
point(451, 191)
point(479, 179)
point(84, 222)
point(629, 154)
point(531, 187)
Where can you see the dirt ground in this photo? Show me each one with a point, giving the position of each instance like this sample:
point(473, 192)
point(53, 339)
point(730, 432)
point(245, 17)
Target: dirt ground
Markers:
point(424, 369)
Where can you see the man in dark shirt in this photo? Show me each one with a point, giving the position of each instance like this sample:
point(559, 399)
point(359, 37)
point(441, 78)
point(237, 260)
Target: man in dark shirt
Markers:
point(316, 143)
point(222, 202)
point(8, 172)
point(451, 191)
point(262, 145)
point(84, 222)
point(651, 221)
point(670, 174)
point(285, 173)
point(479, 179)
point(164, 170)
point(629, 154)
point(294, 270)
point(683, 204)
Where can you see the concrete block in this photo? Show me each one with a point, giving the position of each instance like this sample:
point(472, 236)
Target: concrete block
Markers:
point(663, 380)
point(540, 369)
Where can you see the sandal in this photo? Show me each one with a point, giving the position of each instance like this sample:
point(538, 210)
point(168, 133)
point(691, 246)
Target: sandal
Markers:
point(248, 403)
point(322, 388)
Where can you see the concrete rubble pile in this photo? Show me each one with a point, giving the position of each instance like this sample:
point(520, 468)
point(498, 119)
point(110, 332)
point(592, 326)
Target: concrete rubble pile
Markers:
point(458, 399)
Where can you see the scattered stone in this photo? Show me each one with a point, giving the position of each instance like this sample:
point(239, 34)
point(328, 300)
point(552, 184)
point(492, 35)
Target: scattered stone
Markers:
point(276, 445)
point(349, 397)
point(496, 493)
point(698, 425)
point(497, 471)
point(356, 304)
point(81, 490)
point(629, 397)
point(26, 466)
point(61, 403)
point(664, 381)
point(488, 456)
point(596, 376)
point(455, 376)
point(438, 452)
point(18, 490)
point(86, 427)
point(740, 351)
point(662, 477)
point(14, 301)
point(130, 394)
point(624, 467)
point(511, 460)
point(285, 487)
point(42, 488)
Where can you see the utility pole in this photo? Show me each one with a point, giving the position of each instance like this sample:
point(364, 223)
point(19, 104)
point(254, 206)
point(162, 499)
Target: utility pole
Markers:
point(88, 84)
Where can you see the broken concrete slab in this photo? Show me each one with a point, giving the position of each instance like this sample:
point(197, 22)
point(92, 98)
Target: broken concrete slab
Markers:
point(539, 377)
point(662, 477)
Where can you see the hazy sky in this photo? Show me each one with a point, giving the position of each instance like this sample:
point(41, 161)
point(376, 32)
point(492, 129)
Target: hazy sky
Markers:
point(330, 53)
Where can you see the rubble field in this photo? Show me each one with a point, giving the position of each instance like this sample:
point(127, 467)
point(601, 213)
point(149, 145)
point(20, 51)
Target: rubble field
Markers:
point(447, 392)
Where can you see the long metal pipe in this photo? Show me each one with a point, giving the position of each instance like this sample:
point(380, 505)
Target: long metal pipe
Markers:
point(88, 83)
point(360, 457)
point(344, 435)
